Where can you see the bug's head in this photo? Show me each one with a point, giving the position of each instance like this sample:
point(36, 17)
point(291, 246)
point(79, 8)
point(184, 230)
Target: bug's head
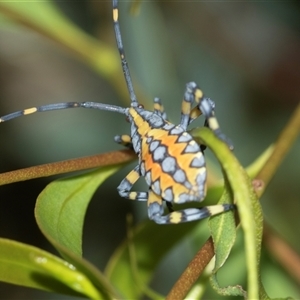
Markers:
point(131, 112)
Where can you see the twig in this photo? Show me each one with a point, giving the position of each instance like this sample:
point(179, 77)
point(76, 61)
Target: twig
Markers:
point(100, 160)
point(282, 252)
point(192, 272)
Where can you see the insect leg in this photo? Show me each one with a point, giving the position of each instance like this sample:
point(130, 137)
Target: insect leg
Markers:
point(159, 109)
point(127, 183)
point(186, 107)
point(124, 140)
point(207, 108)
point(155, 211)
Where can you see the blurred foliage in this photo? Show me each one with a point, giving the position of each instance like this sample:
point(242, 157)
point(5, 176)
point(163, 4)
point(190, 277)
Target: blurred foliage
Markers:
point(245, 57)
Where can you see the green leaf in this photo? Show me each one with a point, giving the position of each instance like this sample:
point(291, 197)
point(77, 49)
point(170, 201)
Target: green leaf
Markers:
point(61, 207)
point(60, 211)
point(32, 267)
point(223, 231)
point(46, 19)
point(249, 208)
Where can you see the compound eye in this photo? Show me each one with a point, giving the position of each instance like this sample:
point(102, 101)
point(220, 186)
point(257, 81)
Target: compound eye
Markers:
point(140, 106)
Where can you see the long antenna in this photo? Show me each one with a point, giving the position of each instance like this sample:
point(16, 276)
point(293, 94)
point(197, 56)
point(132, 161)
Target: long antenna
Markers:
point(63, 105)
point(122, 54)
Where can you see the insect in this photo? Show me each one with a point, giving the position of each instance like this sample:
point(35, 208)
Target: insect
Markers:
point(169, 159)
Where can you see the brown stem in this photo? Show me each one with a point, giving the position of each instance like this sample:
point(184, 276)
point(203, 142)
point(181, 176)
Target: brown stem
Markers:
point(192, 272)
point(282, 252)
point(100, 160)
point(283, 144)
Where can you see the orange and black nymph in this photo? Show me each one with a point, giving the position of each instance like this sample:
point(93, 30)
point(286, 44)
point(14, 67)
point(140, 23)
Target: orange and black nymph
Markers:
point(170, 160)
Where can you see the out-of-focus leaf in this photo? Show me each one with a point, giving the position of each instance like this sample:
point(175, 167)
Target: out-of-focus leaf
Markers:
point(44, 17)
point(151, 243)
point(29, 266)
point(258, 164)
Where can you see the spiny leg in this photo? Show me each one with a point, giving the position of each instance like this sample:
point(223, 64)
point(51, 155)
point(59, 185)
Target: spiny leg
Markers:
point(159, 108)
point(124, 140)
point(127, 183)
point(155, 211)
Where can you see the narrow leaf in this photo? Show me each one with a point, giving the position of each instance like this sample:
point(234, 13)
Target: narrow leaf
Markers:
point(223, 231)
point(29, 266)
point(247, 202)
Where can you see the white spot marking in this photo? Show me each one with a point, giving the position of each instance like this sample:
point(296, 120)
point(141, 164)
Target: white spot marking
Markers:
point(198, 162)
point(184, 138)
point(169, 165)
point(153, 145)
point(168, 194)
point(179, 176)
point(159, 153)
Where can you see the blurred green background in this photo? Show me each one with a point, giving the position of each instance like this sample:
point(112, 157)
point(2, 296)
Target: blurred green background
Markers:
point(244, 55)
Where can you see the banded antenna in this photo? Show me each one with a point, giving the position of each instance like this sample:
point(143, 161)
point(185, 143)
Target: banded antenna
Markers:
point(92, 105)
point(124, 63)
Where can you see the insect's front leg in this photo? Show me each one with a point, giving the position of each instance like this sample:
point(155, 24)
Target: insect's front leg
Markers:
point(205, 106)
point(159, 109)
point(127, 183)
point(124, 140)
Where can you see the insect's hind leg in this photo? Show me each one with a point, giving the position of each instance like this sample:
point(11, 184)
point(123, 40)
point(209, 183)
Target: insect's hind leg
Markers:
point(155, 212)
point(127, 183)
